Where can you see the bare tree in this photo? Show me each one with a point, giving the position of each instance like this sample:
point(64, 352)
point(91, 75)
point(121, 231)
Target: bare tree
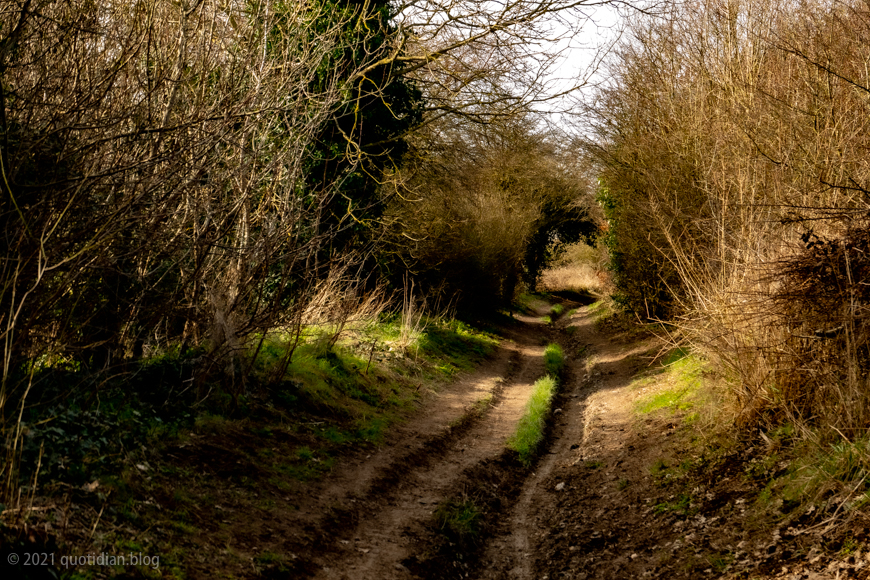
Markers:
point(157, 159)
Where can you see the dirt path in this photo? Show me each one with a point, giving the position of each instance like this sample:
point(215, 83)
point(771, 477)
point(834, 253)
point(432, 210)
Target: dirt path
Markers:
point(590, 508)
point(590, 420)
point(375, 513)
point(378, 545)
point(387, 501)
point(595, 508)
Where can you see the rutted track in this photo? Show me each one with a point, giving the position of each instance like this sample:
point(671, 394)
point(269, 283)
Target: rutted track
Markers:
point(375, 514)
point(396, 525)
point(589, 508)
point(598, 367)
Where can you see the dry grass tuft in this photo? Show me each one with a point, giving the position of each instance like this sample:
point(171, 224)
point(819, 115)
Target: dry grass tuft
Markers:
point(577, 278)
point(578, 267)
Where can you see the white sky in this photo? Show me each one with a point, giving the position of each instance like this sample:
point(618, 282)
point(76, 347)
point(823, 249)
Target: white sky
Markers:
point(582, 53)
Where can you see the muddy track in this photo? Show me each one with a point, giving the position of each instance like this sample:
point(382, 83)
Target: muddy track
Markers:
point(397, 524)
point(590, 507)
point(510, 553)
point(376, 511)
point(597, 365)
point(383, 526)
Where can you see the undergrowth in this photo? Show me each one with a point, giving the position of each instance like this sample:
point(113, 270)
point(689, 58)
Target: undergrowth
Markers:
point(677, 384)
point(288, 422)
point(796, 473)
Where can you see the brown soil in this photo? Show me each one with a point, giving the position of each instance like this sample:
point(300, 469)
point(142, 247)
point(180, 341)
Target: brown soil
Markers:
point(392, 521)
point(591, 506)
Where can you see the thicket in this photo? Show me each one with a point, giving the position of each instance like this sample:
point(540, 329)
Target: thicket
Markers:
point(183, 182)
point(161, 173)
point(732, 146)
point(158, 184)
point(482, 208)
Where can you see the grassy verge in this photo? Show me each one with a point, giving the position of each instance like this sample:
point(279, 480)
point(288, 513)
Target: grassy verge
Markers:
point(160, 449)
point(782, 476)
point(675, 387)
point(794, 472)
point(799, 475)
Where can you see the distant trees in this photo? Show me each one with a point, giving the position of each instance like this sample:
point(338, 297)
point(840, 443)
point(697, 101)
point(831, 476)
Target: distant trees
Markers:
point(483, 206)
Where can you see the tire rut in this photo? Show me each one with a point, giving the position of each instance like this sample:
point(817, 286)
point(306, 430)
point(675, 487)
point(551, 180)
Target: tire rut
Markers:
point(510, 552)
point(397, 522)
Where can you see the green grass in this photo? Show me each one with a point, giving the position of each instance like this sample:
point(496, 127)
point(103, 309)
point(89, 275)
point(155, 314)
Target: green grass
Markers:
point(554, 359)
point(530, 431)
point(525, 302)
point(850, 546)
point(680, 505)
point(456, 343)
point(601, 310)
point(685, 374)
point(674, 399)
point(557, 310)
point(460, 520)
point(351, 393)
point(359, 387)
point(675, 355)
point(811, 472)
point(546, 320)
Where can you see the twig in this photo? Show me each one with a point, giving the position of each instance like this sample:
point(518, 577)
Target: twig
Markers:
point(371, 354)
point(99, 515)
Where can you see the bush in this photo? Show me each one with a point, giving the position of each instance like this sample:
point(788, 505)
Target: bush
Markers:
point(486, 209)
